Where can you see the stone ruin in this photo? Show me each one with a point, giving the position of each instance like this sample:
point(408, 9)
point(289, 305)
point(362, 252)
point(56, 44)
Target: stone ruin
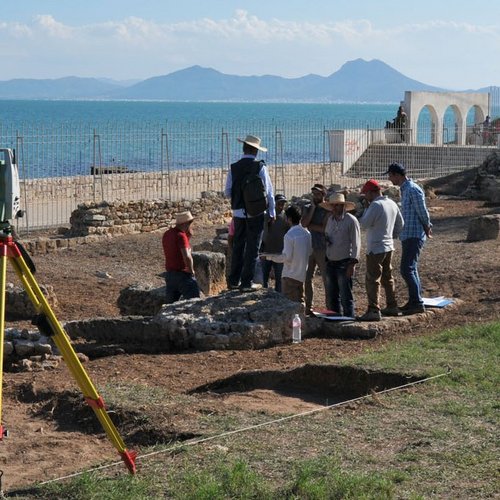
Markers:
point(230, 320)
point(19, 306)
point(486, 183)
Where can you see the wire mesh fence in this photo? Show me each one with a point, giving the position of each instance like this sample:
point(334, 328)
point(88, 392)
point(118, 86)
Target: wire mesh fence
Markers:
point(61, 167)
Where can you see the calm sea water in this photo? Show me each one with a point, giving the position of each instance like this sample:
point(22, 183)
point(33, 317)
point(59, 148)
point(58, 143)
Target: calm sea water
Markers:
point(95, 113)
point(63, 138)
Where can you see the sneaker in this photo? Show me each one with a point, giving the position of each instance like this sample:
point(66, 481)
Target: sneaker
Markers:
point(391, 311)
point(233, 287)
point(414, 309)
point(250, 288)
point(370, 316)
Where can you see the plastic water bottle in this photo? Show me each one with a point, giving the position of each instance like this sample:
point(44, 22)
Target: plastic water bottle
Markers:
point(296, 333)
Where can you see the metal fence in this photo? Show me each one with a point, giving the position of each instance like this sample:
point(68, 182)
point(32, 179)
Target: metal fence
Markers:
point(70, 164)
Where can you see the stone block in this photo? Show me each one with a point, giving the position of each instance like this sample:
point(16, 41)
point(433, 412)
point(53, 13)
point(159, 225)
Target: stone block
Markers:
point(141, 300)
point(486, 227)
point(24, 348)
point(8, 348)
point(210, 271)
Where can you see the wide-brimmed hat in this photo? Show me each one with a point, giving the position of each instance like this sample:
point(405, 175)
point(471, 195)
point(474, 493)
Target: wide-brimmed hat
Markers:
point(371, 185)
point(337, 199)
point(183, 217)
point(253, 141)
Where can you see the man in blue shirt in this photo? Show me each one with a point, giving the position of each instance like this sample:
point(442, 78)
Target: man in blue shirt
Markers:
point(247, 229)
point(417, 227)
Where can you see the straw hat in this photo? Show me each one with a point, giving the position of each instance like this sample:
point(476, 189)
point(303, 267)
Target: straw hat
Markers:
point(253, 141)
point(337, 199)
point(183, 217)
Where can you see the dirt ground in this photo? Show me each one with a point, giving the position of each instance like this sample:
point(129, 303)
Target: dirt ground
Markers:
point(49, 438)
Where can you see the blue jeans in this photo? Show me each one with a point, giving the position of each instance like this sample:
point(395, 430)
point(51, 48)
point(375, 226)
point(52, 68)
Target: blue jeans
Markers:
point(180, 284)
point(267, 265)
point(339, 288)
point(411, 248)
point(246, 244)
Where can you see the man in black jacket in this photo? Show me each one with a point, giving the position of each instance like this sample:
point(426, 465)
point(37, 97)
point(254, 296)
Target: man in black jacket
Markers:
point(247, 228)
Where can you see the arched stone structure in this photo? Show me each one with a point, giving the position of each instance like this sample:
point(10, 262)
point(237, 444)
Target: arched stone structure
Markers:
point(438, 103)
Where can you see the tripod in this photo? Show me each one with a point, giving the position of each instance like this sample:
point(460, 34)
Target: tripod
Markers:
point(48, 325)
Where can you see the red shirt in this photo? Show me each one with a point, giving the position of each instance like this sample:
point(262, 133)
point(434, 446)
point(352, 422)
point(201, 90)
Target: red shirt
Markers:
point(173, 241)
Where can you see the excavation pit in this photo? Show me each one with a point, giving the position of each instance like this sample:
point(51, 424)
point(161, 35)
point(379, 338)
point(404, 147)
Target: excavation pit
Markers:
point(70, 413)
point(300, 389)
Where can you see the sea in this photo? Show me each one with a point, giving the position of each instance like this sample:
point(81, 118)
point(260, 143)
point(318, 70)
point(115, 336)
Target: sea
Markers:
point(64, 137)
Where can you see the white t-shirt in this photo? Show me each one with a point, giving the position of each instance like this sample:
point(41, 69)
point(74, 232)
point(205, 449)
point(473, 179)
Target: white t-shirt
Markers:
point(296, 251)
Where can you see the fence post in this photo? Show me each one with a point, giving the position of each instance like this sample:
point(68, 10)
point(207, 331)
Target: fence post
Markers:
point(164, 137)
point(20, 163)
point(224, 148)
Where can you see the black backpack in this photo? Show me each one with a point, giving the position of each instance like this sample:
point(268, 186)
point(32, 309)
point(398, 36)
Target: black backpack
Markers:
point(254, 191)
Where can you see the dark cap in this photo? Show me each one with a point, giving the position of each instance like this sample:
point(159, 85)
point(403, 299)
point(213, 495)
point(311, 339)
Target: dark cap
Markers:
point(396, 168)
point(280, 197)
point(319, 187)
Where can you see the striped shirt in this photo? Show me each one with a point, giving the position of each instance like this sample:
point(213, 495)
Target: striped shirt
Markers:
point(414, 211)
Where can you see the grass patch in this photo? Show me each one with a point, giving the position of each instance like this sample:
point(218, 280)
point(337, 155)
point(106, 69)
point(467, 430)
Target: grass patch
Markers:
point(438, 439)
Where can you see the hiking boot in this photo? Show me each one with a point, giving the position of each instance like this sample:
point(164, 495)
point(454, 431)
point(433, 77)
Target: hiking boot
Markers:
point(391, 311)
point(253, 287)
point(370, 316)
point(414, 309)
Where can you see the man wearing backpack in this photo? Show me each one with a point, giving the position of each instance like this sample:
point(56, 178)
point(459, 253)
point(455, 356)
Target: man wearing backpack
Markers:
point(249, 186)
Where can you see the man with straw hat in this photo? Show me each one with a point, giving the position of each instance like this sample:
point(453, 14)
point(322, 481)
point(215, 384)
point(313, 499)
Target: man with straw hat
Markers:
point(342, 253)
point(179, 276)
point(248, 227)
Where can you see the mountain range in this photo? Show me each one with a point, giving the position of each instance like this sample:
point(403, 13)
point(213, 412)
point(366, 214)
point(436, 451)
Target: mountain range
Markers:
point(355, 81)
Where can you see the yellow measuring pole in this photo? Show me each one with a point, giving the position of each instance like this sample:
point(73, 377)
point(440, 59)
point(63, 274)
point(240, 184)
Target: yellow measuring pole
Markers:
point(49, 325)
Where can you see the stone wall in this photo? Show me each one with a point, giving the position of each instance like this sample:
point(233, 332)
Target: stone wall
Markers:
point(178, 185)
point(29, 351)
point(145, 216)
point(18, 304)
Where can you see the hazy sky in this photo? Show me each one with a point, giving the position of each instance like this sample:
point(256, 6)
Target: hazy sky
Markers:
point(453, 44)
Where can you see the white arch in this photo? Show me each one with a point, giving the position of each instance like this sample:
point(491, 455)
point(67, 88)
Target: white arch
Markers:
point(438, 103)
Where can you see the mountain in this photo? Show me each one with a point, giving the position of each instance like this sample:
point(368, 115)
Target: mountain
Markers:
point(370, 81)
point(355, 81)
point(71, 87)
point(206, 84)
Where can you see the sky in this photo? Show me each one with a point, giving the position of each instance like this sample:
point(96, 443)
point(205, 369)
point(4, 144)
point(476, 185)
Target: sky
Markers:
point(450, 44)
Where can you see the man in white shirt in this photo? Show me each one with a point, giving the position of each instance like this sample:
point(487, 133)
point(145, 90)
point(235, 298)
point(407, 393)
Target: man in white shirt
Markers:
point(297, 248)
point(383, 222)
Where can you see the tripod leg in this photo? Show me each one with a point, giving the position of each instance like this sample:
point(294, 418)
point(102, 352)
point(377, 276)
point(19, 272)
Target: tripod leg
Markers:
point(3, 283)
point(50, 326)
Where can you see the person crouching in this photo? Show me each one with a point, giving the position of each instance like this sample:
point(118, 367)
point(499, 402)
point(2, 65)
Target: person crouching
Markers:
point(179, 276)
